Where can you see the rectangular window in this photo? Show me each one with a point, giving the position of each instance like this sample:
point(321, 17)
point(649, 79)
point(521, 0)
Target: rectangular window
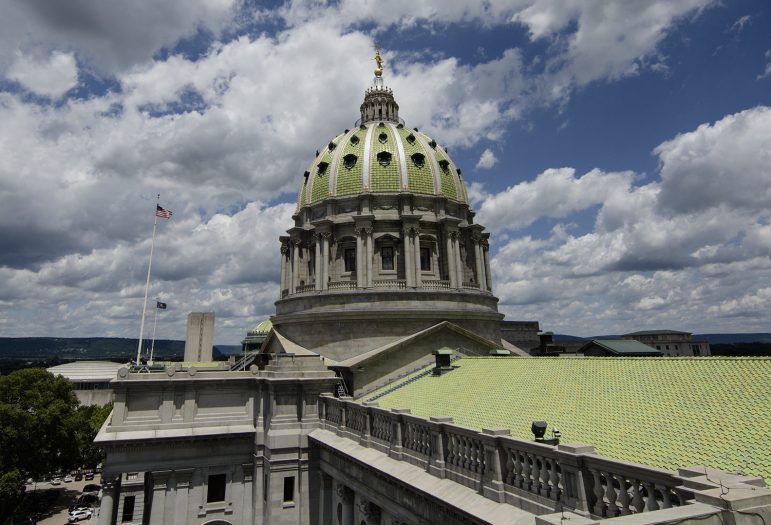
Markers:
point(425, 259)
point(387, 257)
point(132, 475)
point(128, 508)
point(289, 489)
point(350, 259)
point(216, 488)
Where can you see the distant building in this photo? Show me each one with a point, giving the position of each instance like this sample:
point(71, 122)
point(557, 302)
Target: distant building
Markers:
point(256, 337)
point(522, 334)
point(200, 337)
point(671, 342)
point(91, 380)
point(617, 348)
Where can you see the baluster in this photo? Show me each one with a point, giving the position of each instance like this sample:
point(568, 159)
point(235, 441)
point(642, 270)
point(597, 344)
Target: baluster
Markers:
point(518, 480)
point(543, 475)
point(637, 500)
point(526, 469)
point(665, 501)
point(599, 493)
point(507, 478)
point(651, 504)
point(554, 489)
point(623, 495)
point(451, 449)
point(610, 494)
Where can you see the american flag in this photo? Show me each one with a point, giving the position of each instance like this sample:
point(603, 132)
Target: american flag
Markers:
point(163, 213)
point(160, 306)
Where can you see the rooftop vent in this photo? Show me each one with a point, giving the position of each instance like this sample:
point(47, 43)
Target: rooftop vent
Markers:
point(443, 361)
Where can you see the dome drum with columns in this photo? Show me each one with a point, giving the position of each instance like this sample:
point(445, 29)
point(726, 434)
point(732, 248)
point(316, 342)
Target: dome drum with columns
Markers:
point(382, 225)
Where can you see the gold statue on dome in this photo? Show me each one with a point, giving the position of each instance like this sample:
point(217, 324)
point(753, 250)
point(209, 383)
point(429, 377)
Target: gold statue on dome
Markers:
point(379, 63)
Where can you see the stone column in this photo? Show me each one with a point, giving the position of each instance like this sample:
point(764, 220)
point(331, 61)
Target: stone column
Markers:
point(478, 259)
point(409, 255)
point(458, 260)
point(295, 266)
point(107, 507)
point(360, 277)
point(317, 269)
point(418, 278)
point(452, 273)
point(158, 506)
point(370, 256)
point(370, 512)
point(325, 263)
point(346, 498)
point(325, 500)
point(486, 254)
point(181, 501)
point(284, 260)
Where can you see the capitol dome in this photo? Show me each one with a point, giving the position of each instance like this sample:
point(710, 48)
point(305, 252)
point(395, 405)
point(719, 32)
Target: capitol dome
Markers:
point(384, 242)
point(381, 155)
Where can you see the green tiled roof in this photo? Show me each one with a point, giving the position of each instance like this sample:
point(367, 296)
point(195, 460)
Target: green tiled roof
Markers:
point(665, 412)
point(381, 179)
point(262, 328)
point(384, 178)
point(624, 346)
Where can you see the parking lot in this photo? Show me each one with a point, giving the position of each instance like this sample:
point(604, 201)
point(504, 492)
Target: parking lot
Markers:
point(55, 501)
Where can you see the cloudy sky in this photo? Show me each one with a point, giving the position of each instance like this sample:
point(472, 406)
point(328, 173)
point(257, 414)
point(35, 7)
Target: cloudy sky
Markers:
point(619, 152)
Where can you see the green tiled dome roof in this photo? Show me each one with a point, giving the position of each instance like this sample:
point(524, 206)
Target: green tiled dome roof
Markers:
point(381, 157)
point(262, 328)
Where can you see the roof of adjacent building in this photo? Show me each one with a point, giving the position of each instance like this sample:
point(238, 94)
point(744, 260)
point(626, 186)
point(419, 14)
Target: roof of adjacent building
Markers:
point(658, 332)
point(622, 347)
point(667, 412)
point(381, 157)
point(87, 370)
point(262, 328)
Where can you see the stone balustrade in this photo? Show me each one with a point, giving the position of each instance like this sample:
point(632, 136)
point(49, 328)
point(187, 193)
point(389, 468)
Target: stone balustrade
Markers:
point(342, 285)
point(535, 477)
point(384, 284)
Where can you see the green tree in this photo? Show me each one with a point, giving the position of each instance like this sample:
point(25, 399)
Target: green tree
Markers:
point(42, 430)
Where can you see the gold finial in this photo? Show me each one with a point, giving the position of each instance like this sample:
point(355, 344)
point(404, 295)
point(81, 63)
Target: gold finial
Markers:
point(379, 63)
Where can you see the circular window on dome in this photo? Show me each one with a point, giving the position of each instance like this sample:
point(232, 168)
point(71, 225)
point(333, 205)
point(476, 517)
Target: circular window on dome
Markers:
point(349, 161)
point(384, 158)
point(382, 138)
point(418, 159)
point(354, 140)
point(411, 138)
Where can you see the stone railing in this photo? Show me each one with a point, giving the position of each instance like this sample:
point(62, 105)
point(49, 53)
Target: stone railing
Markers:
point(470, 286)
point(535, 477)
point(304, 288)
point(398, 284)
point(433, 284)
point(342, 285)
point(284, 293)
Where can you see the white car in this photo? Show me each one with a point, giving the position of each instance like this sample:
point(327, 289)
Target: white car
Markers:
point(68, 479)
point(79, 514)
point(56, 481)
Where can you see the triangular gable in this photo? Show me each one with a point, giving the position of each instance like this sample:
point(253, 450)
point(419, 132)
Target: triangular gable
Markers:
point(277, 343)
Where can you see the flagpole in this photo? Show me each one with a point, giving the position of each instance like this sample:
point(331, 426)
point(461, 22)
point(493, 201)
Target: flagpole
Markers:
point(152, 345)
point(147, 284)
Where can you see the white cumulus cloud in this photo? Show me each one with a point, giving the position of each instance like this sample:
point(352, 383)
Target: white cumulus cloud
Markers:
point(486, 160)
point(50, 76)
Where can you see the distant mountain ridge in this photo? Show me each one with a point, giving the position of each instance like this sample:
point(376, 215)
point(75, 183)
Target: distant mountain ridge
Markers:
point(92, 348)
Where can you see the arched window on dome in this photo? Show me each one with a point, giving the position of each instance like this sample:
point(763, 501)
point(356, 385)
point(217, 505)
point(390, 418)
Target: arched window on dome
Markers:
point(384, 158)
point(349, 161)
point(418, 159)
point(322, 168)
point(444, 164)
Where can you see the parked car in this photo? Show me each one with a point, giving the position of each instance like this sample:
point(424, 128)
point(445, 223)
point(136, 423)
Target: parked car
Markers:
point(78, 477)
point(92, 488)
point(89, 476)
point(68, 479)
point(56, 481)
point(80, 514)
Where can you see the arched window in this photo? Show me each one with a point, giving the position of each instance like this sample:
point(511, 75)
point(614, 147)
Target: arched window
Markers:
point(349, 161)
point(384, 158)
point(444, 164)
point(418, 159)
point(387, 257)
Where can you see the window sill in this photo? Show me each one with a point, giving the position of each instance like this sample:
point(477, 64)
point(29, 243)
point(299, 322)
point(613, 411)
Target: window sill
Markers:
point(287, 505)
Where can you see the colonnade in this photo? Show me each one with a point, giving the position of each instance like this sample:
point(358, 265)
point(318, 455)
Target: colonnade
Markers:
point(339, 504)
point(295, 250)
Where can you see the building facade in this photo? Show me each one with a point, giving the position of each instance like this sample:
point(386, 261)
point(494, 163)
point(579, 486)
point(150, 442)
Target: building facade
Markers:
point(672, 342)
